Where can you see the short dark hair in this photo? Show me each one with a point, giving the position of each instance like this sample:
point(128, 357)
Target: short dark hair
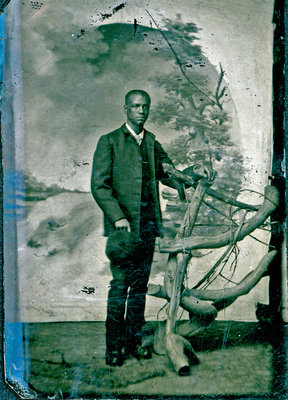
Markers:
point(137, 91)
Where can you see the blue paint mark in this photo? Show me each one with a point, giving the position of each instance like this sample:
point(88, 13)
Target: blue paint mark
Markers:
point(1, 55)
point(17, 366)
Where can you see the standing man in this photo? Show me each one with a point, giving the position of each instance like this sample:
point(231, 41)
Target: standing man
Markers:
point(127, 166)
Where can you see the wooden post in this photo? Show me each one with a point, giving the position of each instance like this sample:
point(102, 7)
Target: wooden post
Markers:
point(179, 350)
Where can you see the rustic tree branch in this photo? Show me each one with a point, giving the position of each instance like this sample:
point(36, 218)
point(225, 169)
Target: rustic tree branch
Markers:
point(224, 255)
point(211, 192)
point(241, 289)
point(227, 294)
point(189, 303)
point(175, 344)
point(271, 201)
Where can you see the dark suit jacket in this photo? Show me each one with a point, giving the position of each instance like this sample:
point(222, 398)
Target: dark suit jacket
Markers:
point(116, 180)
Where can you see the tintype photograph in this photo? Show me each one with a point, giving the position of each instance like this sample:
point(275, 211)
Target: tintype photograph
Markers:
point(143, 169)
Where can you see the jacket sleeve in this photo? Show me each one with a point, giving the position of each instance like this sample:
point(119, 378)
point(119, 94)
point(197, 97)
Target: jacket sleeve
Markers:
point(163, 158)
point(101, 181)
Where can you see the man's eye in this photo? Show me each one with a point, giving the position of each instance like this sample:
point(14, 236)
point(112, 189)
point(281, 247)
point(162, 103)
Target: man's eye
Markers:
point(138, 106)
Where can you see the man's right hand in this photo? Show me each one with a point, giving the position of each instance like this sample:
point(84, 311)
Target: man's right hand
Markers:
point(122, 224)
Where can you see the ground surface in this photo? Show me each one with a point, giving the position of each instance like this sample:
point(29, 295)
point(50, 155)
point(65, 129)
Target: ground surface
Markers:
point(67, 360)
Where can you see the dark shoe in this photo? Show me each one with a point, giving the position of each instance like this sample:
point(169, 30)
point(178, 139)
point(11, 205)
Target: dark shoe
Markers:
point(140, 352)
point(114, 358)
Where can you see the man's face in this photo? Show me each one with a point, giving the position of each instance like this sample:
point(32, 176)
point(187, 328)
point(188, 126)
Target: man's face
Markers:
point(137, 109)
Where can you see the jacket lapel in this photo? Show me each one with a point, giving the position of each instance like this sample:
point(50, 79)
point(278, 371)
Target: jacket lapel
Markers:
point(125, 130)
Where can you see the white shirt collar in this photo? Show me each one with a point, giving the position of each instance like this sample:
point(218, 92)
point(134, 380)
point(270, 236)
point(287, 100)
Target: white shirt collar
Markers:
point(138, 137)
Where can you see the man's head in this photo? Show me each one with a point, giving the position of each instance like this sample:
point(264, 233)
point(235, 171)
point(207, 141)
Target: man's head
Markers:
point(137, 106)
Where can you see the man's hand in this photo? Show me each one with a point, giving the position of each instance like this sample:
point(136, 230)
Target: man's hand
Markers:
point(122, 224)
point(204, 170)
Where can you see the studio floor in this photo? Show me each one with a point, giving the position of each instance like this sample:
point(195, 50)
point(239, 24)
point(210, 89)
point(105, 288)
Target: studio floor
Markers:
point(66, 360)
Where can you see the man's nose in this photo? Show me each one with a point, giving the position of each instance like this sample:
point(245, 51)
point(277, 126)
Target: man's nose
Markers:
point(141, 109)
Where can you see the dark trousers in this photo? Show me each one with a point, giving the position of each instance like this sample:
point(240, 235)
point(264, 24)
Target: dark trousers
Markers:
point(127, 292)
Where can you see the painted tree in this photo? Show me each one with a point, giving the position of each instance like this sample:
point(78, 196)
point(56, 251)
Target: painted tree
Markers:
point(195, 105)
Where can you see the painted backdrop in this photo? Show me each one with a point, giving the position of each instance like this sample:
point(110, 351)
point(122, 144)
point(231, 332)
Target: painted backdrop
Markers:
point(207, 65)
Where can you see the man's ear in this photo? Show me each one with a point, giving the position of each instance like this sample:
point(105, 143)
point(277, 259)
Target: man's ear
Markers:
point(125, 108)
